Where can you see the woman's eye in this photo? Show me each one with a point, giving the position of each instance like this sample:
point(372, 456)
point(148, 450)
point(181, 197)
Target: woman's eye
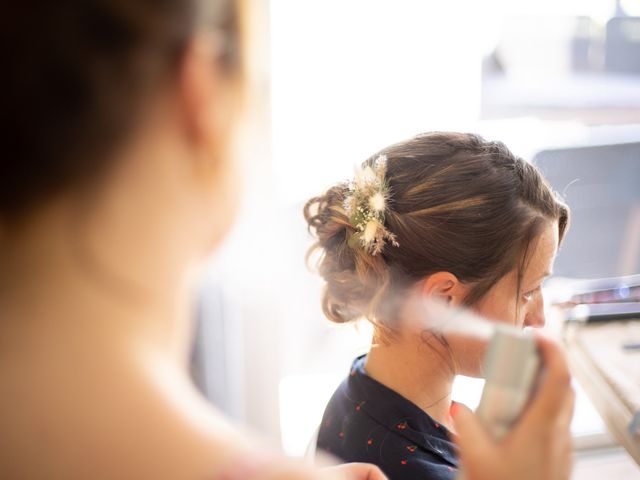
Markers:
point(529, 295)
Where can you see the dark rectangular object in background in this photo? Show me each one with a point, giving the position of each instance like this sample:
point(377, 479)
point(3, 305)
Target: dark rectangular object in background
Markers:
point(601, 184)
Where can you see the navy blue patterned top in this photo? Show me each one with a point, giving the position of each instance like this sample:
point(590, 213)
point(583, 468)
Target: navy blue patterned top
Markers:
point(368, 422)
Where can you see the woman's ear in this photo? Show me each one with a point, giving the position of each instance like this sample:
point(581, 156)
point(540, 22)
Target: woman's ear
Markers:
point(444, 286)
point(199, 90)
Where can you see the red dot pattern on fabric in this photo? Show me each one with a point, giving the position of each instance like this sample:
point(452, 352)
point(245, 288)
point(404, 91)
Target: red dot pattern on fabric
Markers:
point(392, 436)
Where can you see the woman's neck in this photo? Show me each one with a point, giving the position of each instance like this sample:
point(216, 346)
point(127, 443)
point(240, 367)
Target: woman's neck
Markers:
point(66, 283)
point(418, 369)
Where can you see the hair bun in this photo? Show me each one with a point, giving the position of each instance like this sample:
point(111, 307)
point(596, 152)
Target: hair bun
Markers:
point(352, 275)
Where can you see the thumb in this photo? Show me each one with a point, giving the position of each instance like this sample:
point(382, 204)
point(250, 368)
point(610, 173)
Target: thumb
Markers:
point(472, 438)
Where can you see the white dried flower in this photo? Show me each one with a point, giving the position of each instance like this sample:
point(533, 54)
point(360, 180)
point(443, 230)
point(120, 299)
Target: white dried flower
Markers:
point(377, 202)
point(365, 203)
point(364, 176)
point(369, 234)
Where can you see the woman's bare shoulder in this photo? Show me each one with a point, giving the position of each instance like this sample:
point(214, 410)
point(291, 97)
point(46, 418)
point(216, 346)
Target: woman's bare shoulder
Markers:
point(175, 432)
point(111, 423)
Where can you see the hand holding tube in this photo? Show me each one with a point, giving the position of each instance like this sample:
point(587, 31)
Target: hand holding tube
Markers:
point(539, 445)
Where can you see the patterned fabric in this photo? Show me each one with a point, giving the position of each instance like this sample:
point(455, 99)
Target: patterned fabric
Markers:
point(368, 422)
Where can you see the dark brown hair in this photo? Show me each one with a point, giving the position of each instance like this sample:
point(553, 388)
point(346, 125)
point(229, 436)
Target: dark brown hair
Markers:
point(457, 203)
point(77, 75)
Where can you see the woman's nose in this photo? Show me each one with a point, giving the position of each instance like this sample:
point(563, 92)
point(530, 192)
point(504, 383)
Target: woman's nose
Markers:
point(535, 318)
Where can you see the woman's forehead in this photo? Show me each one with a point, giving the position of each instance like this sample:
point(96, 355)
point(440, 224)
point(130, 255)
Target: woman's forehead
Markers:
point(543, 253)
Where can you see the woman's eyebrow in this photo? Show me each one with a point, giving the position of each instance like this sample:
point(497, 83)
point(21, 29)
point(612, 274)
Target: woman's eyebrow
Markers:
point(546, 274)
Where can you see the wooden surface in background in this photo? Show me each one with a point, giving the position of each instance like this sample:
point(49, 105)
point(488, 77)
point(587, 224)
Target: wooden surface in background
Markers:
point(609, 374)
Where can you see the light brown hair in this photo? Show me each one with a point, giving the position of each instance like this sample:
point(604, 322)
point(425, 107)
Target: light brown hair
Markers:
point(457, 203)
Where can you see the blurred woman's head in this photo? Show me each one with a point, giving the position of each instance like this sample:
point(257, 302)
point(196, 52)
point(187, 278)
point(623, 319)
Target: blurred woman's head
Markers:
point(468, 222)
point(91, 84)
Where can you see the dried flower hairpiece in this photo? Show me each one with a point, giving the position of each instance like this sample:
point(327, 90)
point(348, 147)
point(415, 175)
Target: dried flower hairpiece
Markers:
point(365, 204)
